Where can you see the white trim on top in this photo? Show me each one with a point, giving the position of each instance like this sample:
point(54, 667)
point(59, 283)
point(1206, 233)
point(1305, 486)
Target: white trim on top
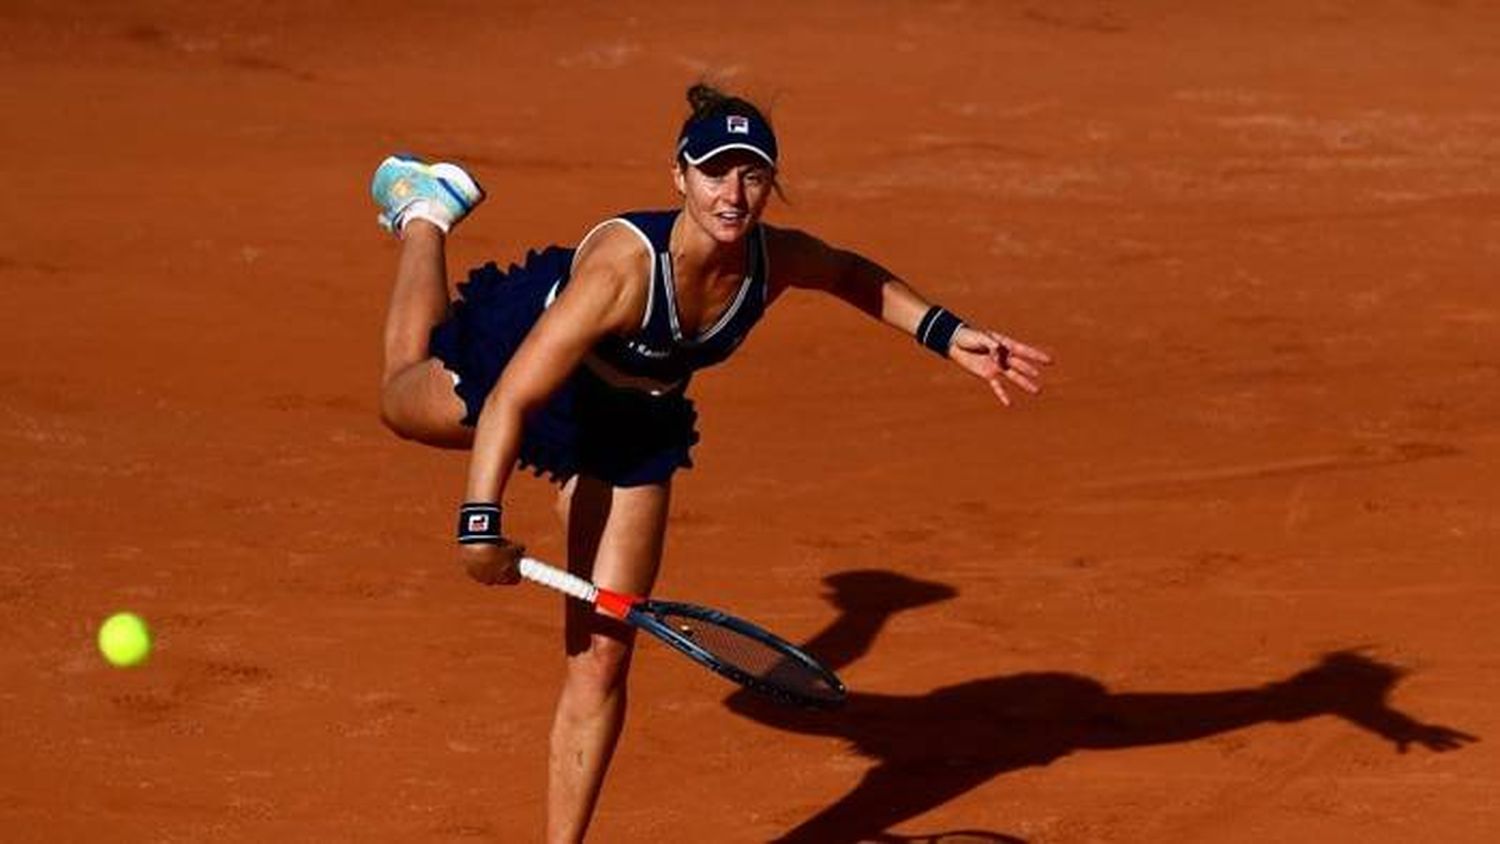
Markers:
point(650, 264)
point(707, 334)
point(725, 148)
point(615, 377)
point(670, 277)
point(765, 265)
point(729, 312)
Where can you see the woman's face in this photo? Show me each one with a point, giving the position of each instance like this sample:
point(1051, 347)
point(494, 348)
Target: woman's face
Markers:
point(726, 194)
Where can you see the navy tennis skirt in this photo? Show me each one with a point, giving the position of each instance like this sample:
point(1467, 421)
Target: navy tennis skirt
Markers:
point(624, 437)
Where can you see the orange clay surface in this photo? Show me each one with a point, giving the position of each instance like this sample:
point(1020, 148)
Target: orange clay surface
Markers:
point(1206, 588)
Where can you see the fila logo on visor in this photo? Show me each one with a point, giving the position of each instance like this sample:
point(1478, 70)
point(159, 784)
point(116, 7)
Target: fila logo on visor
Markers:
point(737, 124)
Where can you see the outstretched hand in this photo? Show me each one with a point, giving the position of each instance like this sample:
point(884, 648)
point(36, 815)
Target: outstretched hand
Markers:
point(1356, 687)
point(996, 359)
point(1434, 737)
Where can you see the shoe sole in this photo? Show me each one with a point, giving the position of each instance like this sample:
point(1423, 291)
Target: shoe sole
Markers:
point(459, 183)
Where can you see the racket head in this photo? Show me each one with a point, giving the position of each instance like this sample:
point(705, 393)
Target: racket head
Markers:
point(741, 651)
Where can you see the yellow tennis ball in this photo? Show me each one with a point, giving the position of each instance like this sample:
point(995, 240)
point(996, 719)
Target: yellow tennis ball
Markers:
point(124, 639)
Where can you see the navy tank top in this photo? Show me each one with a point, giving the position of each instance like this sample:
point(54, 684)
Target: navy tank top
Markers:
point(658, 357)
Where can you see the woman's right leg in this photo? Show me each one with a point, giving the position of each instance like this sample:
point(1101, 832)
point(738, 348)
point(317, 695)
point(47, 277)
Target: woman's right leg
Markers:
point(417, 400)
point(615, 538)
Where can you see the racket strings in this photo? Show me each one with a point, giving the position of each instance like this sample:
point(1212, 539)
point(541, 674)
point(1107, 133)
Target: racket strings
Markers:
point(758, 658)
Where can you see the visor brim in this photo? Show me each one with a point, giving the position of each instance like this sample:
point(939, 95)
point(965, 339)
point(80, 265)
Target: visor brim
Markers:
point(723, 148)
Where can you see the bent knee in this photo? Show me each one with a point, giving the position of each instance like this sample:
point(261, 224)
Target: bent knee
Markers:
point(419, 404)
point(396, 415)
point(396, 412)
point(390, 413)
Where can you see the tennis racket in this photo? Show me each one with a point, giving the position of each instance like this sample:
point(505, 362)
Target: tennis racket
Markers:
point(728, 646)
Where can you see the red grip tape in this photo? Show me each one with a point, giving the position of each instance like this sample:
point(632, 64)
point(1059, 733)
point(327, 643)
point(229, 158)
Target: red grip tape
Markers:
point(615, 604)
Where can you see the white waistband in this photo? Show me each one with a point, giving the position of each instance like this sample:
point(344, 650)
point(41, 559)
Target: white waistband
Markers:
point(611, 375)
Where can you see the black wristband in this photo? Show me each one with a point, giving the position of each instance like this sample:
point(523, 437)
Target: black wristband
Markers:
point(479, 523)
point(937, 328)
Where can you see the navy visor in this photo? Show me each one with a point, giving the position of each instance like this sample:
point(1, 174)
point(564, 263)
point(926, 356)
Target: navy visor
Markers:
point(707, 137)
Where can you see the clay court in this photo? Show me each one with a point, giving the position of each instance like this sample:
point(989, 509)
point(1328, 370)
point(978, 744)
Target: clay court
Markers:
point(1231, 578)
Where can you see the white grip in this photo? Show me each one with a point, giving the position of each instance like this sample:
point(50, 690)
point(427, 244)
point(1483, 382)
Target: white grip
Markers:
point(535, 570)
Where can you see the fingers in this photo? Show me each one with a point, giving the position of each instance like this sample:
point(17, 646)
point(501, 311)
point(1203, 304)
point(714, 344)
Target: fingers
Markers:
point(1021, 350)
point(1030, 353)
point(1442, 739)
point(998, 387)
point(1015, 376)
point(510, 564)
point(1008, 360)
point(1017, 363)
point(1018, 354)
point(492, 565)
point(1459, 736)
point(1435, 738)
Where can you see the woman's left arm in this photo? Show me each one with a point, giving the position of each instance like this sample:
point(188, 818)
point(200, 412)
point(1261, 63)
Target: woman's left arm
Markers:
point(801, 260)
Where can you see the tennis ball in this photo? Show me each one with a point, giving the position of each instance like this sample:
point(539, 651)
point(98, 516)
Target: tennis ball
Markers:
point(124, 640)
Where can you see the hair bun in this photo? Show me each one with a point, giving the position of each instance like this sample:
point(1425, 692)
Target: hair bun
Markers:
point(705, 99)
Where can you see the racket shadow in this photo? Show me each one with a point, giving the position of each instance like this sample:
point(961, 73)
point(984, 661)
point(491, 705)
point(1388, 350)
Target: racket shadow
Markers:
point(930, 748)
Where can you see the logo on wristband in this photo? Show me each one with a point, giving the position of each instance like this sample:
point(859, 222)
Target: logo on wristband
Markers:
point(479, 523)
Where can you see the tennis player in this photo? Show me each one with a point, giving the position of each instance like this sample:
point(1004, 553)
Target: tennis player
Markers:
point(576, 362)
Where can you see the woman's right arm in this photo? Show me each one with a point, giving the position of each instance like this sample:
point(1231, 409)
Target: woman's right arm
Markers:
point(605, 295)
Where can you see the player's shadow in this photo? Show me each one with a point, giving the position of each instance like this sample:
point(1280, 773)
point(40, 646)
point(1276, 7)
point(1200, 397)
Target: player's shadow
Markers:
point(929, 748)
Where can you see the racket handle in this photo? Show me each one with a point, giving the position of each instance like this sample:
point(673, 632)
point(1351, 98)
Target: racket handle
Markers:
point(538, 571)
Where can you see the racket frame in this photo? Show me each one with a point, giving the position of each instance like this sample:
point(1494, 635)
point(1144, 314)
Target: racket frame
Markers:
point(641, 613)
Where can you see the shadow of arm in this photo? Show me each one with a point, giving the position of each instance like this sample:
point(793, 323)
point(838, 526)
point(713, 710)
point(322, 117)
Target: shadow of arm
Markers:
point(1344, 684)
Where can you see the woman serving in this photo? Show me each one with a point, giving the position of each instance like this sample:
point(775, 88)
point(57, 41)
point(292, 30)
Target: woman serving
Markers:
point(576, 364)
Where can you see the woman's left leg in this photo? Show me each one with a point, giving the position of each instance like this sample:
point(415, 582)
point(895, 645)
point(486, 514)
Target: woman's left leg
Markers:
point(615, 537)
point(416, 393)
